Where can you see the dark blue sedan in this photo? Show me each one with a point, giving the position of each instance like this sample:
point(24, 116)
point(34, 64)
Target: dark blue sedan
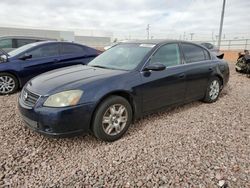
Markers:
point(128, 81)
point(22, 64)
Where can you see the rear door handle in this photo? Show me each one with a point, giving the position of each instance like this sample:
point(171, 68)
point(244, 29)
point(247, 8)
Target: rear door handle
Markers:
point(210, 69)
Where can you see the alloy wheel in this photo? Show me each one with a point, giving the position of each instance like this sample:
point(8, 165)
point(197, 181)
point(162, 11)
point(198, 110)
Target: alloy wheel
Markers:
point(7, 84)
point(115, 119)
point(214, 89)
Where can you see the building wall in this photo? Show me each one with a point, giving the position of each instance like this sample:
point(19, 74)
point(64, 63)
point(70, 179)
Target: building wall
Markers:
point(97, 42)
point(93, 41)
point(29, 32)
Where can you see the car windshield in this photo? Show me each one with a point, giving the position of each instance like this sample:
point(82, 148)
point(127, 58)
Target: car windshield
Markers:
point(21, 49)
point(122, 56)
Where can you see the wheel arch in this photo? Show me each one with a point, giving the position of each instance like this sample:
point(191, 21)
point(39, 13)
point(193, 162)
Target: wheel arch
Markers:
point(221, 79)
point(15, 75)
point(125, 94)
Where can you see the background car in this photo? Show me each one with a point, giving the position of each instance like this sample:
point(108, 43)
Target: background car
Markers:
point(22, 64)
point(210, 47)
point(124, 83)
point(10, 43)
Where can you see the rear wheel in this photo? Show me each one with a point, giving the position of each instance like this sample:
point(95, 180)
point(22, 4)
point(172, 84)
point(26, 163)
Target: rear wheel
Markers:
point(112, 119)
point(213, 90)
point(8, 84)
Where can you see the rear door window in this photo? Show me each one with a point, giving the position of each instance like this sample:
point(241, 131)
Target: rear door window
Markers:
point(194, 53)
point(71, 49)
point(45, 51)
point(169, 55)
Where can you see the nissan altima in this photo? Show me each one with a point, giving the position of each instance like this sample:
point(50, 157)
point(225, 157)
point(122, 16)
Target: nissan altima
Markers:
point(124, 83)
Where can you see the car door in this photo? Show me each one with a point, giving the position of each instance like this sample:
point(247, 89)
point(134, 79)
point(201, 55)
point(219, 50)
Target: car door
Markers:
point(198, 67)
point(42, 59)
point(166, 87)
point(73, 54)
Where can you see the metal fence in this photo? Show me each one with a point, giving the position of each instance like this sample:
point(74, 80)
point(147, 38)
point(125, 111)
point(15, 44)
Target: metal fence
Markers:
point(236, 44)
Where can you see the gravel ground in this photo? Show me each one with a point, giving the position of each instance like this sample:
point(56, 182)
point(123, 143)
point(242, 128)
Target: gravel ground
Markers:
point(195, 145)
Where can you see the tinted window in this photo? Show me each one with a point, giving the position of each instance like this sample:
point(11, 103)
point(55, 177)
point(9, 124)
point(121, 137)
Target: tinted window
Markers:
point(6, 43)
point(45, 51)
point(193, 53)
point(168, 55)
point(22, 42)
point(72, 49)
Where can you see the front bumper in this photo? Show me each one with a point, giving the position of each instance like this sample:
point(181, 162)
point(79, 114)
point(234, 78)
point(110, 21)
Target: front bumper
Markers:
point(58, 122)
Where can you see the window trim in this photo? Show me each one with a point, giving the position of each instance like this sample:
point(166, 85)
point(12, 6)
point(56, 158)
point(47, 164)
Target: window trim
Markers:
point(203, 48)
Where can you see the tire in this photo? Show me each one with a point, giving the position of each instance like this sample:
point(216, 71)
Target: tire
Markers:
point(107, 124)
point(8, 84)
point(213, 90)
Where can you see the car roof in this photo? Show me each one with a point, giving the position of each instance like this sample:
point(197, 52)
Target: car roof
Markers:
point(159, 42)
point(155, 41)
point(55, 42)
point(151, 41)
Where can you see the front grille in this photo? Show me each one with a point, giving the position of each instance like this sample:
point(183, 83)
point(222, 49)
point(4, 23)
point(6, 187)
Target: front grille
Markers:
point(29, 98)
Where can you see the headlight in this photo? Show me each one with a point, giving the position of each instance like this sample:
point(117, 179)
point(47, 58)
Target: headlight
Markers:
point(64, 99)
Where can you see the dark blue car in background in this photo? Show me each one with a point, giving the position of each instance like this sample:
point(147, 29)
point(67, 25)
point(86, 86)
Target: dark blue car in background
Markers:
point(127, 81)
point(26, 62)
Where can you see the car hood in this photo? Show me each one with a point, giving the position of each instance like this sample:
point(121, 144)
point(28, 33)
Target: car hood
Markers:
point(63, 79)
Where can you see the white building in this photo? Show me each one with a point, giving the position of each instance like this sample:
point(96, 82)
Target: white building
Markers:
point(87, 37)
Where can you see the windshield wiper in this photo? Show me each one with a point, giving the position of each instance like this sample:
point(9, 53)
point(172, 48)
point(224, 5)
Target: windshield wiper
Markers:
point(99, 66)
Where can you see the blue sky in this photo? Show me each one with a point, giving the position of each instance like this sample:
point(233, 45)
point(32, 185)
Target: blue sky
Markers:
point(129, 18)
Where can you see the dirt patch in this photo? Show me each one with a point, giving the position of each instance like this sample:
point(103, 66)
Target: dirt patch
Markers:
point(231, 56)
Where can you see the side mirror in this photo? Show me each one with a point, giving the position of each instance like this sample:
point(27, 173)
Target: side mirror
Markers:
point(26, 56)
point(155, 67)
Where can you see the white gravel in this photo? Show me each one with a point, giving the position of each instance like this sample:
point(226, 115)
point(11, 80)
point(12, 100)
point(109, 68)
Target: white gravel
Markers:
point(195, 145)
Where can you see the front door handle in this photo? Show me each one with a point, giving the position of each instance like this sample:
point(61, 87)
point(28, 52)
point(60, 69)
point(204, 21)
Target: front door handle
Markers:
point(182, 76)
point(56, 60)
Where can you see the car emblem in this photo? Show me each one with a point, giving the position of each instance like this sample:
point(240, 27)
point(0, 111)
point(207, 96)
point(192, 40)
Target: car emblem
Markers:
point(25, 96)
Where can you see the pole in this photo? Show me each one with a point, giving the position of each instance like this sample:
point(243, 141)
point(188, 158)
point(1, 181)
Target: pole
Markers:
point(148, 27)
point(191, 36)
point(221, 23)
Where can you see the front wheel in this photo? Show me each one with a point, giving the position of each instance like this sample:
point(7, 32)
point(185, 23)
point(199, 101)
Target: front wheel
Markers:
point(112, 119)
point(8, 84)
point(213, 90)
